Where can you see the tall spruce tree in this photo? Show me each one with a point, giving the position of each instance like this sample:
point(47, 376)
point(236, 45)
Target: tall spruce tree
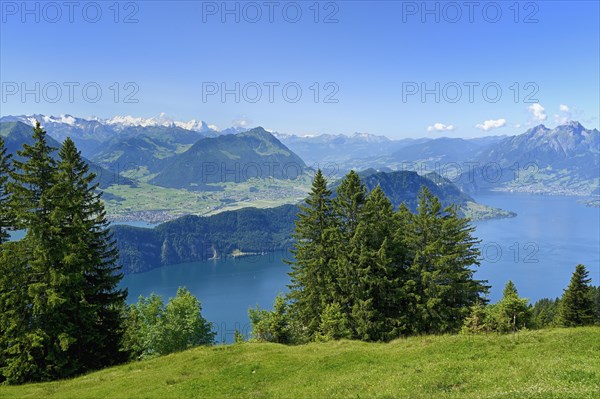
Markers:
point(442, 251)
point(374, 295)
point(311, 276)
point(61, 308)
point(577, 306)
point(347, 210)
point(21, 350)
point(5, 213)
point(90, 257)
point(35, 353)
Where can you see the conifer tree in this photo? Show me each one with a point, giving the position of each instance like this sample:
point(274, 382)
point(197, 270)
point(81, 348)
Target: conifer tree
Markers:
point(311, 276)
point(440, 287)
point(347, 211)
point(89, 256)
point(5, 213)
point(35, 353)
point(374, 295)
point(20, 347)
point(69, 310)
point(577, 304)
point(512, 312)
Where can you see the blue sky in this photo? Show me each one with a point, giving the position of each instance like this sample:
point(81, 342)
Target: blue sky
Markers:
point(375, 61)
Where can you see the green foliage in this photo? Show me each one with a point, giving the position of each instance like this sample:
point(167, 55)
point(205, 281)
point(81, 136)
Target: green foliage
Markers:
point(238, 337)
point(272, 326)
point(365, 271)
point(545, 312)
point(155, 329)
point(334, 324)
point(64, 317)
point(442, 252)
point(5, 171)
point(479, 320)
point(510, 314)
point(577, 303)
point(311, 278)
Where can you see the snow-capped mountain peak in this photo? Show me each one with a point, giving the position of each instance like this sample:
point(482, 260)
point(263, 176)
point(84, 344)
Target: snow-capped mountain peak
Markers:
point(160, 120)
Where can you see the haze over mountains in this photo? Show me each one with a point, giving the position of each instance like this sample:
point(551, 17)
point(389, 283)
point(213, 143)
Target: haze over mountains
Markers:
point(171, 153)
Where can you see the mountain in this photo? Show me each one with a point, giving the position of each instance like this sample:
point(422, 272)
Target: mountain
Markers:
point(442, 150)
point(145, 147)
point(91, 135)
point(18, 133)
point(421, 154)
point(565, 159)
point(327, 148)
point(194, 238)
point(230, 158)
point(88, 135)
point(122, 122)
point(403, 187)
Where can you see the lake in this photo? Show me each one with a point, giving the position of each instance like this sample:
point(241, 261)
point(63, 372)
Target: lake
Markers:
point(538, 250)
point(226, 287)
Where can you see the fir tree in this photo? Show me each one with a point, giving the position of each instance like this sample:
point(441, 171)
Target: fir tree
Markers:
point(311, 276)
point(347, 210)
point(512, 312)
point(375, 295)
point(6, 221)
point(441, 250)
point(334, 324)
point(577, 303)
point(21, 349)
point(42, 341)
point(90, 257)
point(545, 312)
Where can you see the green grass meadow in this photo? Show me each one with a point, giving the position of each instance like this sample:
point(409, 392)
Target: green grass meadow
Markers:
point(556, 363)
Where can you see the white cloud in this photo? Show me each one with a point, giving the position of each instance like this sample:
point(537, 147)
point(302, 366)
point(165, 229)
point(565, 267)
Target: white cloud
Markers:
point(564, 116)
point(538, 112)
point(214, 127)
point(440, 127)
point(491, 124)
point(240, 122)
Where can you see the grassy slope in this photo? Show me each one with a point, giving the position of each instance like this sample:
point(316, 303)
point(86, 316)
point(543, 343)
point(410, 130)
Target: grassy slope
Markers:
point(559, 363)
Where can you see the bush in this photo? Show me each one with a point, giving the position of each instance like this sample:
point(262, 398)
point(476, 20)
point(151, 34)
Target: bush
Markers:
point(273, 326)
point(511, 313)
point(155, 329)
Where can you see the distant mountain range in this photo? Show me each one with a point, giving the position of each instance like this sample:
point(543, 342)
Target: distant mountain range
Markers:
point(329, 148)
point(17, 133)
point(561, 160)
point(564, 160)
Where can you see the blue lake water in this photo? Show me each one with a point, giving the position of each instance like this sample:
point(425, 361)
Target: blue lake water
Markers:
point(538, 250)
point(226, 287)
